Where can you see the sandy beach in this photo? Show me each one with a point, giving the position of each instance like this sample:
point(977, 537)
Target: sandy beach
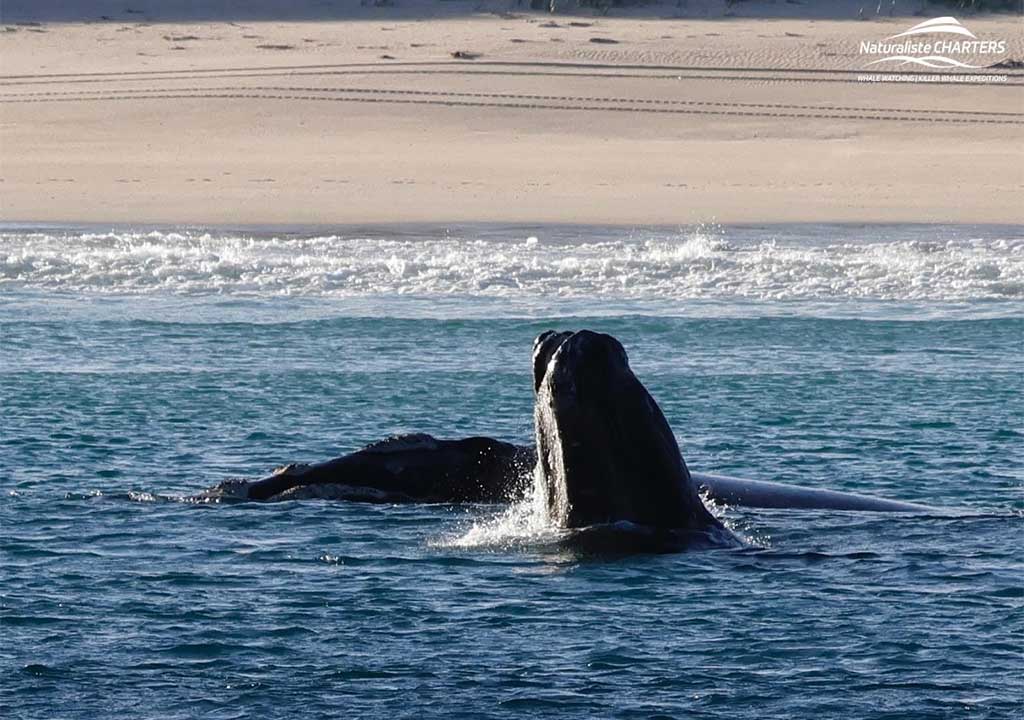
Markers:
point(460, 360)
point(455, 112)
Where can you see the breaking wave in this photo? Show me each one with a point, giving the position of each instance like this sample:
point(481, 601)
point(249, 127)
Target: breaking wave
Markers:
point(871, 263)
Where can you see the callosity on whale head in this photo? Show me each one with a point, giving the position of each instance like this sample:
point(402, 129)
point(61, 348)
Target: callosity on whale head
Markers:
point(605, 452)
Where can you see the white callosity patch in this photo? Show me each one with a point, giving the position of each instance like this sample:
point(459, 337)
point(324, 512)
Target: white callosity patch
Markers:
point(551, 490)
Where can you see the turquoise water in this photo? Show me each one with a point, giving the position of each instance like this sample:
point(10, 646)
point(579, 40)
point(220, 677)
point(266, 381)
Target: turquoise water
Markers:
point(138, 367)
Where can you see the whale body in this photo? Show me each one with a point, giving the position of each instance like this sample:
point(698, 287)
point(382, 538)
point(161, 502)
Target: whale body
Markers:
point(606, 455)
point(405, 468)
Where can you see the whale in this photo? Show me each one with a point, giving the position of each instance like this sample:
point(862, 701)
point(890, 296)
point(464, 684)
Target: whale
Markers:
point(603, 452)
point(401, 469)
point(742, 492)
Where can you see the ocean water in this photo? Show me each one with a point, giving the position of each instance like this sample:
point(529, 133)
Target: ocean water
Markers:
point(138, 366)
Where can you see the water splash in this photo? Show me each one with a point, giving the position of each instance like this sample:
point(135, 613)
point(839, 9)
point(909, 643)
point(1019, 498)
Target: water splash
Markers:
point(525, 522)
point(528, 523)
point(736, 525)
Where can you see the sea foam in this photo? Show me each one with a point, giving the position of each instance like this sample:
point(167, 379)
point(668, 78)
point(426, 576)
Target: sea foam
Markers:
point(894, 263)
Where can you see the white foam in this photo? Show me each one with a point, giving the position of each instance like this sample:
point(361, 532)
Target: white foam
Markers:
point(525, 522)
point(696, 264)
point(528, 523)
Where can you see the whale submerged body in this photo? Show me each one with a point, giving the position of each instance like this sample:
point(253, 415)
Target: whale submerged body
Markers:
point(329, 481)
point(606, 455)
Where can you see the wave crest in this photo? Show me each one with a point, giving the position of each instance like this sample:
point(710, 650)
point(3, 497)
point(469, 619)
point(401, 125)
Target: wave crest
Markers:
point(703, 263)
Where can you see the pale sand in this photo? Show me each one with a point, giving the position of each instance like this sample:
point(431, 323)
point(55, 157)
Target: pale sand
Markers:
point(427, 138)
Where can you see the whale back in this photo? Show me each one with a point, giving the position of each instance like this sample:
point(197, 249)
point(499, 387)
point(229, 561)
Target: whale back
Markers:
point(402, 443)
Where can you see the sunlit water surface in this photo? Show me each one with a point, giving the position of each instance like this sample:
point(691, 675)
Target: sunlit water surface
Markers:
point(137, 367)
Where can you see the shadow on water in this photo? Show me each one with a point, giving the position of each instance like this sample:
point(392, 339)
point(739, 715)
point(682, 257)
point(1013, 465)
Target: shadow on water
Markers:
point(608, 542)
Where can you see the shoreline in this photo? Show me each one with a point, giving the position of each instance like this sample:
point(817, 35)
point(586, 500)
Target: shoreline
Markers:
point(623, 120)
point(400, 230)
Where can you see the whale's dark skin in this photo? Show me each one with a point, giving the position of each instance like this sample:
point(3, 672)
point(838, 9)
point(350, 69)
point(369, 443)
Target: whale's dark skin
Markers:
point(608, 455)
point(410, 468)
point(605, 452)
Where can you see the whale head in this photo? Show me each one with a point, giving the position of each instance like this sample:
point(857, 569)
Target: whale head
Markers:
point(605, 452)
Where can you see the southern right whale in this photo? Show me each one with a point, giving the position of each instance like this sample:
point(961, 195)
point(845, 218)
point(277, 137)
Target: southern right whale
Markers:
point(611, 457)
point(605, 452)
